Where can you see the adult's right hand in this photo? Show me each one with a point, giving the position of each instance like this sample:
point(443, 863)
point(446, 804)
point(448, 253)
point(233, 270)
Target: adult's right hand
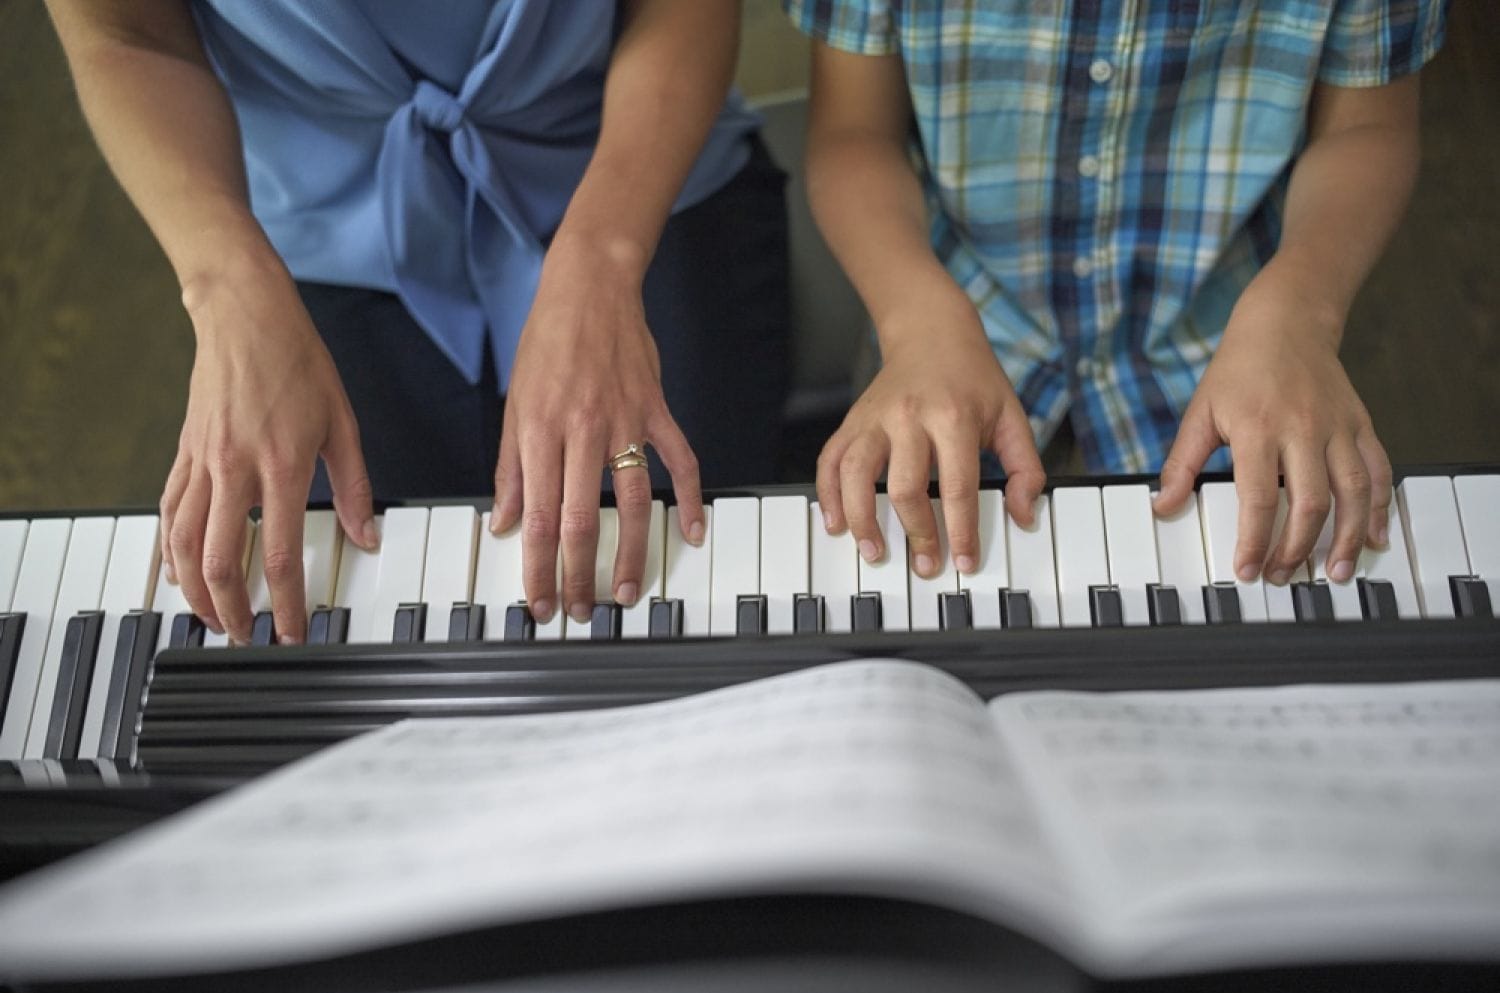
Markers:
point(264, 402)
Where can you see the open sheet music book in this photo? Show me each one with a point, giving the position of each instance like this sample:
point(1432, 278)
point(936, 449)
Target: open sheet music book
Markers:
point(1139, 833)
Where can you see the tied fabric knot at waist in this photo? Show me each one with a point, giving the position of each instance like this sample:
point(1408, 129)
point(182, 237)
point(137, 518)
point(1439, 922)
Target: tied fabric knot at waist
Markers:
point(436, 107)
point(466, 262)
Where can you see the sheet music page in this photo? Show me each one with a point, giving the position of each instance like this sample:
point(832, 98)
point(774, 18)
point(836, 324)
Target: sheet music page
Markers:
point(865, 776)
point(1252, 826)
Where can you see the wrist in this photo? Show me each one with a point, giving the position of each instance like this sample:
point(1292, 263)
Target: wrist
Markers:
point(597, 254)
point(938, 315)
point(1287, 295)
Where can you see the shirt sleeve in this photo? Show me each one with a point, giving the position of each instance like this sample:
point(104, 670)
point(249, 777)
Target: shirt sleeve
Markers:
point(864, 27)
point(1373, 42)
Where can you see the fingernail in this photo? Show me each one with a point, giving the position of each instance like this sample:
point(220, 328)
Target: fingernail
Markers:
point(213, 625)
point(1278, 577)
point(868, 551)
point(627, 594)
point(541, 611)
point(924, 564)
point(495, 519)
point(966, 564)
point(287, 639)
point(1341, 571)
point(696, 532)
point(371, 535)
point(1248, 572)
point(580, 613)
point(171, 574)
point(827, 522)
point(1383, 536)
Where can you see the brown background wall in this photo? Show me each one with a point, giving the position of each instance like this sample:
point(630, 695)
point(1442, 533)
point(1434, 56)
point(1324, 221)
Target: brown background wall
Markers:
point(95, 352)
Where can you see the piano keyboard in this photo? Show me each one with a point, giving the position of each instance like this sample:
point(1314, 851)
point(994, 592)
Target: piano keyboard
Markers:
point(84, 606)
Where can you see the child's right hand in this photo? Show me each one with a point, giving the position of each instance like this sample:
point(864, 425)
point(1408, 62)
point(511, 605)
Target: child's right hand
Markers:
point(942, 394)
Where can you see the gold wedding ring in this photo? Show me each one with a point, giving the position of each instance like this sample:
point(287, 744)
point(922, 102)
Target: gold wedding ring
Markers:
point(634, 457)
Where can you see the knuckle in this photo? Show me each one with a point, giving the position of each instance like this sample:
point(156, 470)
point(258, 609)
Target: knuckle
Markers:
point(184, 540)
point(539, 524)
point(1315, 505)
point(1260, 499)
point(576, 524)
point(281, 565)
point(219, 569)
point(1356, 478)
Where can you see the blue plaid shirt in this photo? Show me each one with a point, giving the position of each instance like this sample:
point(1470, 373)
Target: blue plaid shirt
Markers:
point(1107, 176)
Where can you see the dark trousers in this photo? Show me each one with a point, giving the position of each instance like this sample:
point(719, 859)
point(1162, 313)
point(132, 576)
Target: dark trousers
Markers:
point(715, 299)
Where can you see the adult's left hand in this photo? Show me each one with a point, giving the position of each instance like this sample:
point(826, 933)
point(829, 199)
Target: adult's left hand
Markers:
point(586, 383)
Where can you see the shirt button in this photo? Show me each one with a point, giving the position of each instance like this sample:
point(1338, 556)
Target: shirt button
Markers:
point(1088, 166)
point(1100, 71)
point(1082, 267)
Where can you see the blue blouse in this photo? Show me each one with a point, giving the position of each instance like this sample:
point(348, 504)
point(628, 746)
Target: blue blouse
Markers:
point(428, 149)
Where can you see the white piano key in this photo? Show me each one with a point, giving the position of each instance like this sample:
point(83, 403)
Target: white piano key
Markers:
point(636, 620)
point(736, 560)
point(321, 540)
point(79, 589)
point(1219, 510)
point(992, 570)
point(448, 565)
point(134, 559)
point(1032, 566)
point(255, 573)
point(1179, 552)
point(1078, 537)
point(689, 572)
point(1434, 540)
point(1130, 540)
point(1393, 565)
point(784, 557)
point(925, 593)
point(604, 571)
point(1345, 596)
point(499, 582)
point(1279, 606)
point(373, 584)
point(12, 546)
point(888, 577)
point(1479, 512)
point(835, 571)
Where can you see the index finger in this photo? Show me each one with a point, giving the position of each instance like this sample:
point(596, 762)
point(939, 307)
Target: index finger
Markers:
point(958, 486)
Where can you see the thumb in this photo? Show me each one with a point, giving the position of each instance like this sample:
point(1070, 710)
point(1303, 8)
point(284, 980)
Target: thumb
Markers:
point(1196, 440)
point(352, 498)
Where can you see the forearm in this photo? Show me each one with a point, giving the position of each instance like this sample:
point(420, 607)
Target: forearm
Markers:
point(1348, 192)
point(666, 84)
point(165, 125)
point(869, 205)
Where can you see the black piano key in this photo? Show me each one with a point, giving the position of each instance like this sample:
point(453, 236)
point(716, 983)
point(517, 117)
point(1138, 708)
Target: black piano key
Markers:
point(809, 614)
point(12, 626)
point(665, 618)
point(1377, 600)
point(410, 624)
point(1105, 608)
point(1221, 603)
point(607, 622)
point(1312, 601)
point(1015, 608)
point(955, 612)
point(328, 626)
point(519, 624)
point(466, 622)
point(866, 613)
point(750, 614)
point(263, 628)
point(134, 648)
point(1471, 596)
point(75, 674)
point(1162, 606)
point(187, 632)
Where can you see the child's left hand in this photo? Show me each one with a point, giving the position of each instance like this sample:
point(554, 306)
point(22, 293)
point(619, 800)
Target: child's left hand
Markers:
point(1276, 393)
